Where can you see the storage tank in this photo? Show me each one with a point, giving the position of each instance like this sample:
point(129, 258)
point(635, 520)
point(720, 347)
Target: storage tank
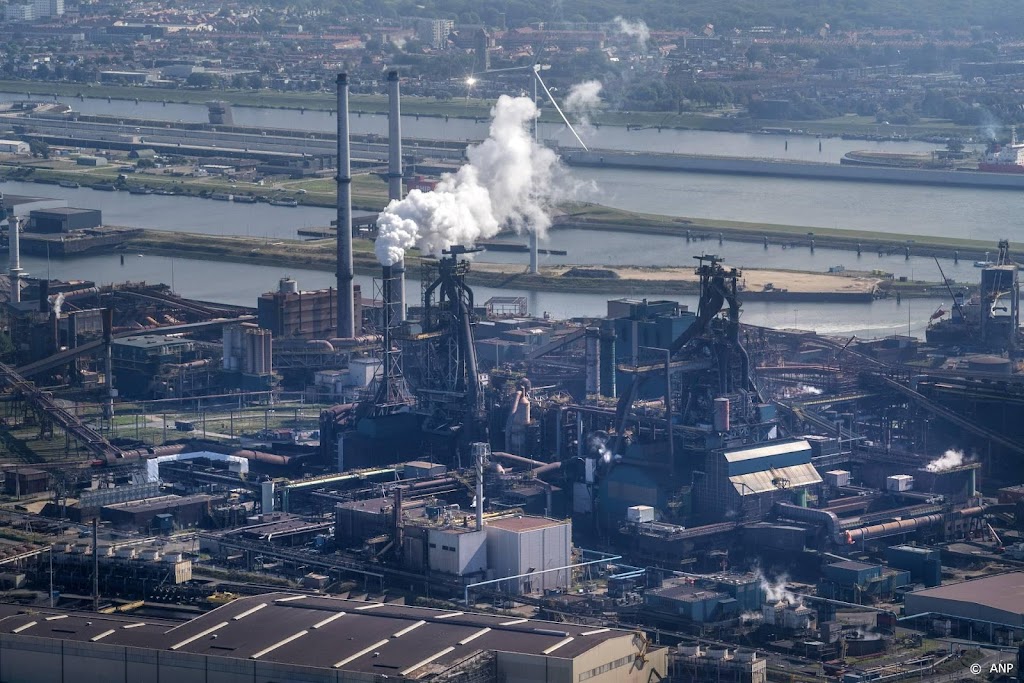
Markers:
point(721, 415)
point(288, 286)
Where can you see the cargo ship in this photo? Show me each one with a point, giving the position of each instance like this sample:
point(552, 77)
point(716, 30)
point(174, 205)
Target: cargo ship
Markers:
point(1004, 158)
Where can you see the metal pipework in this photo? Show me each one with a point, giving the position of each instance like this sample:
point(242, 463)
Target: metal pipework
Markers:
point(346, 291)
point(395, 173)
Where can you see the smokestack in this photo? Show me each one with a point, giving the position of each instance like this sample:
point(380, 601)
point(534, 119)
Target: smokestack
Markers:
point(395, 173)
point(534, 241)
point(44, 296)
point(346, 295)
point(14, 244)
point(387, 296)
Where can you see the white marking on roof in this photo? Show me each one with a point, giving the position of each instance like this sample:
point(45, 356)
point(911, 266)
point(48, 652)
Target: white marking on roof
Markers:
point(141, 623)
point(409, 628)
point(428, 660)
point(280, 643)
point(372, 605)
point(25, 627)
point(449, 615)
point(513, 622)
point(595, 631)
point(59, 616)
point(290, 598)
point(253, 610)
point(103, 635)
point(558, 645)
point(199, 635)
point(324, 622)
point(473, 637)
point(361, 653)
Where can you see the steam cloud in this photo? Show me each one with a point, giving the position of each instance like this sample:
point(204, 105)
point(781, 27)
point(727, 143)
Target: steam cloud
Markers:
point(775, 590)
point(599, 445)
point(808, 389)
point(584, 99)
point(509, 181)
point(949, 460)
point(635, 29)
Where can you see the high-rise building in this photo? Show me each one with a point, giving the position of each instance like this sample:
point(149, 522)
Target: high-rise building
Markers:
point(20, 12)
point(434, 32)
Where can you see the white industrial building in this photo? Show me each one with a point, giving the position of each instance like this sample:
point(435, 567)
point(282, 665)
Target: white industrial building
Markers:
point(458, 551)
point(317, 639)
point(14, 147)
point(518, 546)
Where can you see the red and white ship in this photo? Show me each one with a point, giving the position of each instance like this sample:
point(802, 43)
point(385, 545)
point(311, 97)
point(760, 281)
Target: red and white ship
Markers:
point(1004, 158)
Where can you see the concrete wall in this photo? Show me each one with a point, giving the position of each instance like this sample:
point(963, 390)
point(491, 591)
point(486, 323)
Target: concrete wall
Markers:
point(515, 667)
point(615, 662)
point(457, 553)
point(510, 553)
point(25, 659)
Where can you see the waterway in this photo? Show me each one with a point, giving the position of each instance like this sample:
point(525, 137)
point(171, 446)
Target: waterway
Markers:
point(791, 147)
point(240, 284)
point(971, 213)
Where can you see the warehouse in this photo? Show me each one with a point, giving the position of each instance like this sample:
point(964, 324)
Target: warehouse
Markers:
point(982, 606)
point(280, 636)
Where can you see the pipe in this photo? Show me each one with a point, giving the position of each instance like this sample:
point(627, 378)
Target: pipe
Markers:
point(395, 170)
point(549, 467)
point(345, 275)
point(501, 455)
point(14, 244)
point(815, 516)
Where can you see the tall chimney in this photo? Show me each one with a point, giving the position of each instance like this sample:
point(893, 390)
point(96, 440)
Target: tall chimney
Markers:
point(395, 174)
point(346, 295)
point(14, 244)
point(387, 309)
point(534, 241)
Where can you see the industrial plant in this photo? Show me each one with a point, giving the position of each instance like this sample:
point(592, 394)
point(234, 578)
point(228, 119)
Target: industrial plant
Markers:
point(418, 483)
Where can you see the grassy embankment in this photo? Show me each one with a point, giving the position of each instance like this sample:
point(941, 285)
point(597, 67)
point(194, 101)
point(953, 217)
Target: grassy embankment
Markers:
point(462, 107)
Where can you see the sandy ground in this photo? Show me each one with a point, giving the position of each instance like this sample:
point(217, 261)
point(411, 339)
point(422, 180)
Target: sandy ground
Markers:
point(751, 279)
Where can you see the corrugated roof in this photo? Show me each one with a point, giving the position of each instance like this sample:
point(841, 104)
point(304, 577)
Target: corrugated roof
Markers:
point(525, 523)
point(1003, 592)
point(322, 632)
point(765, 451)
point(779, 477)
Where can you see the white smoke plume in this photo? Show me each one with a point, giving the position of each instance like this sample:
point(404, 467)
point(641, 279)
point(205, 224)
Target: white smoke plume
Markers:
point(775, 590)
point(949, 460)
point(599, 445)
point(509, 181)
point(635, 29)
point(584, 99)
point(808, 389)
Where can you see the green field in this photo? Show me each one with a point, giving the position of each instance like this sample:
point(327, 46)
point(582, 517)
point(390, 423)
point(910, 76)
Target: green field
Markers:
point(474, 109)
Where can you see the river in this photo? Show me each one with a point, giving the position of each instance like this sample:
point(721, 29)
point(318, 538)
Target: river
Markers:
point(240, 284)
point(792, 147)
point(973, 213)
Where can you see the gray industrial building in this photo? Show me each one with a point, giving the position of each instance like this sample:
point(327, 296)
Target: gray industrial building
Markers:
point(280, 636)
point(64, 219)
point(982, 605)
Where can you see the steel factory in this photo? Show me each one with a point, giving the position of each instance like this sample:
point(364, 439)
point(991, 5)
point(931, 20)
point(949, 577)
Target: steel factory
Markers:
point(350, 485)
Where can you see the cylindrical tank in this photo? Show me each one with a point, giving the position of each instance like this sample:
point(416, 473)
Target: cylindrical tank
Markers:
point(721, 415)
point(985, 363)
point(288, 285)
